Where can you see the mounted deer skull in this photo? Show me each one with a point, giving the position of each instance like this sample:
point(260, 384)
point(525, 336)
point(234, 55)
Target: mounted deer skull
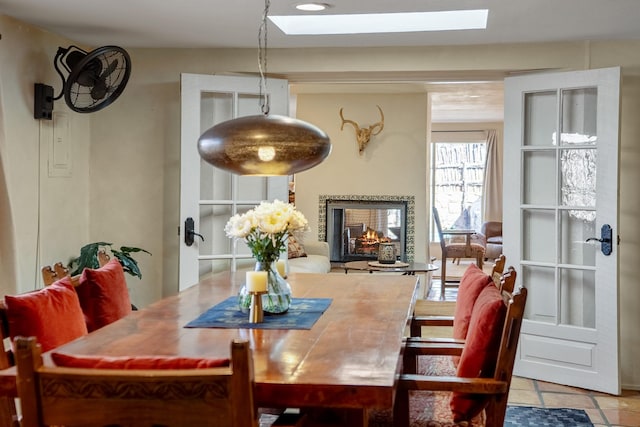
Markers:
point(363, 135)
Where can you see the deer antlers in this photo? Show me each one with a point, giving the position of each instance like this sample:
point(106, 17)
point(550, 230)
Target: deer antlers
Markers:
point(363, 135)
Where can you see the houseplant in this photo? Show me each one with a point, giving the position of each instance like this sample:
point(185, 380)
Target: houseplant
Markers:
point(89, 258)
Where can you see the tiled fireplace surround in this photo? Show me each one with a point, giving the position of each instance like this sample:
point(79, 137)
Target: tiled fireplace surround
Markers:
point(327, 232)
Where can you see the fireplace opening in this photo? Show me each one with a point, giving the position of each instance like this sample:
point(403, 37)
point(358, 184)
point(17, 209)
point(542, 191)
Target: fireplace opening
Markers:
point(355, 228)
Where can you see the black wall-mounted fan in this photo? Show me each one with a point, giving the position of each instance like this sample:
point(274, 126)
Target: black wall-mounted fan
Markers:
point(94, 80)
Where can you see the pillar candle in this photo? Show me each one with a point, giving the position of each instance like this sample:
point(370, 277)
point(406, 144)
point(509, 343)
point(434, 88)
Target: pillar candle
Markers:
point(256, 281)
point(281, 266)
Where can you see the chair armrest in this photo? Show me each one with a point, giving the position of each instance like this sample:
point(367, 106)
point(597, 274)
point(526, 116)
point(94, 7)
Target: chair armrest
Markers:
point(433, 340)
point(465, 385)
point(415, 347)
point(316, 248)
point(408, 382)
point(435, 308)
point(433, 320)
point(433, 348)
point(417, 322)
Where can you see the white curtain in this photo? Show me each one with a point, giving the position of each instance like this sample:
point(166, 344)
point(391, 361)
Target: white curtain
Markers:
point(492, 194)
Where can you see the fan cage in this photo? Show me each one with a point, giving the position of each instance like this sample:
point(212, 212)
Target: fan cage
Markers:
point(115, 65)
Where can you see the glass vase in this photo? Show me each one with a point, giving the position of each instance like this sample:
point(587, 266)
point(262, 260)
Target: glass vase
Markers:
point(276, 300)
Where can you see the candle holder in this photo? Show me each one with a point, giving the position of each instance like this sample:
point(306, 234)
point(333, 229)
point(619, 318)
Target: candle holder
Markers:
point(256, 314)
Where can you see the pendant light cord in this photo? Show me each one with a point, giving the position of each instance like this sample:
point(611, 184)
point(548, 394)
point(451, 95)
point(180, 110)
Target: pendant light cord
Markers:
point(262, 58)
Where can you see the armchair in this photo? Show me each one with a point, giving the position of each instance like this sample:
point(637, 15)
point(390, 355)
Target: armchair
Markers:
point(492, 233)
point(481, 384)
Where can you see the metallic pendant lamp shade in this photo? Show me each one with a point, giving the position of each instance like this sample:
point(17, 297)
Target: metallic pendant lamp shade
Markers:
point(264, 144)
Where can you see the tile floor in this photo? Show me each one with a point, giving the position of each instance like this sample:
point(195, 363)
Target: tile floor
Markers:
point(603, 409)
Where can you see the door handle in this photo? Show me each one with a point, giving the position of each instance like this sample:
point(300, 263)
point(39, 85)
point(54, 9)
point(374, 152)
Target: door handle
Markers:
point(189, 232)
point(605, 239)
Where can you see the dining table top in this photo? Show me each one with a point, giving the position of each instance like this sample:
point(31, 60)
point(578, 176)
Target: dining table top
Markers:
point(349, 358)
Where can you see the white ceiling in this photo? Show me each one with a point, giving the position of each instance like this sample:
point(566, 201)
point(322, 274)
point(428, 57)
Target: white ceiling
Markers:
point(234, 24)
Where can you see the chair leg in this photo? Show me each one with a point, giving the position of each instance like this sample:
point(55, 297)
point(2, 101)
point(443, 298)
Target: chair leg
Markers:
point(496, 411)
point(401, 408)
point(443, 276)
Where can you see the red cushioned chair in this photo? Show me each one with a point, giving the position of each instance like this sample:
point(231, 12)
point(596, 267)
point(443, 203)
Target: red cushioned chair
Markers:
point(221, 397)
point(430, 313)
point(468, 398)
point(53, 314)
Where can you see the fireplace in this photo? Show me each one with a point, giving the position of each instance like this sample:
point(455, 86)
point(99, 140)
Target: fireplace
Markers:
point(354, 226)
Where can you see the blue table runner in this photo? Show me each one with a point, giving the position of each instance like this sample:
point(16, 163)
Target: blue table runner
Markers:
point(302, 314)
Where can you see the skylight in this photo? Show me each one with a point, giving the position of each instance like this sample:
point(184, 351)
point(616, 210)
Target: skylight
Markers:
point(382, 22)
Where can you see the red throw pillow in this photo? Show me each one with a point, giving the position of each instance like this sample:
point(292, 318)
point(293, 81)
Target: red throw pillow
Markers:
point(473, 281)
point(52, 315)
point(478, 359)
point(103, 293)
point(136, 362)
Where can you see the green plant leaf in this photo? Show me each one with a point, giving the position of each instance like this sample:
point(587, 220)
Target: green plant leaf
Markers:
point(88, 258)
point(130, 249)
point(129, 264)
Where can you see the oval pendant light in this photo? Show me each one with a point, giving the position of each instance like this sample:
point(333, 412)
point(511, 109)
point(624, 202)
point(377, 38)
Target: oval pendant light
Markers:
point(264, 145)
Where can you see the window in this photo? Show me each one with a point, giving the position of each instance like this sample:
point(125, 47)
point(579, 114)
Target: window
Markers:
point(457, 183)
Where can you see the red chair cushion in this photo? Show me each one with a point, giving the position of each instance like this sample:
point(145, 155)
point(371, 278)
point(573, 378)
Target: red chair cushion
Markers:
point(478, 358)
point(53, 315)
point(473, 281)
point(136, 362)
point(104, 296)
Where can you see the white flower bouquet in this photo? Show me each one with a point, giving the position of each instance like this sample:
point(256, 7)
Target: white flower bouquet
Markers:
point(265, 230)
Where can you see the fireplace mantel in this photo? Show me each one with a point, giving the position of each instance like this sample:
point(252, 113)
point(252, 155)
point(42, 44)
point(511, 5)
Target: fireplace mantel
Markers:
point(326, 231)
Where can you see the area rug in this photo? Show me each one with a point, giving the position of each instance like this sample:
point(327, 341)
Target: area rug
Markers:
point(517, 416)
point(525, 416)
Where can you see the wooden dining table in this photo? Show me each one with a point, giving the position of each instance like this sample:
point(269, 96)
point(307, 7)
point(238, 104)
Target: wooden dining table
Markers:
point(348, 360)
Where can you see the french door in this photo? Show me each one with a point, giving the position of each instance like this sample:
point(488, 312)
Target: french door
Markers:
point(560, 201)
point(210, 196)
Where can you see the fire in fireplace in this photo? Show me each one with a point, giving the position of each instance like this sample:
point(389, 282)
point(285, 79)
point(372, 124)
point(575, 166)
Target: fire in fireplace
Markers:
point(368, 242)
point(356, 225)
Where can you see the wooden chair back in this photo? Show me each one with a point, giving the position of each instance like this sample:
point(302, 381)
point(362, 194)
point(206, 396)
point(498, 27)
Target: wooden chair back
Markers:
point(220, 397)
point(508, 281)
point(455, 250)
point(496, 387)
point(498, 269)
point(441, 313)
point(59, 270)
point(56, 272)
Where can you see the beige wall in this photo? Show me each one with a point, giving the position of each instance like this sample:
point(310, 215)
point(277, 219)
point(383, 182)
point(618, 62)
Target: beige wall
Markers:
point(44, 219)
point(393, 164)
point(129, 152)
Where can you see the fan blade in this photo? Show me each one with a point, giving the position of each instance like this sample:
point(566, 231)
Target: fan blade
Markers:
point(90, 73)
point(110, 69)
point(99, 91)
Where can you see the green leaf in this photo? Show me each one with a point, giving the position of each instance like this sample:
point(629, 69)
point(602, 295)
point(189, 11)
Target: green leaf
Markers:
point(129, 264)
point(130, 249)
point(89, 258)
